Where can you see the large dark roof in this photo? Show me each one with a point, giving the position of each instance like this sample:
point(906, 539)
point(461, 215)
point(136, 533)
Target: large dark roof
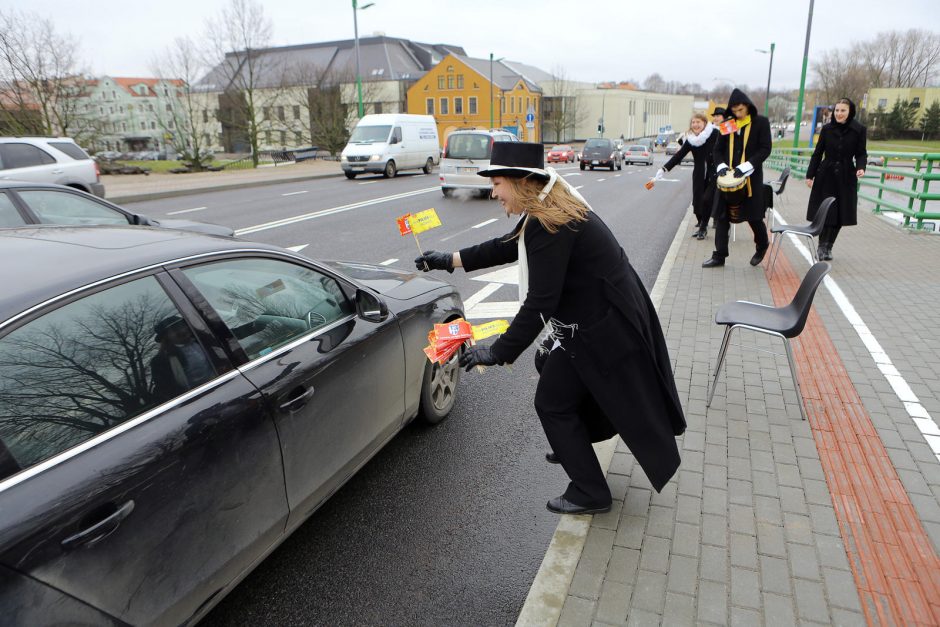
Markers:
point(381, 58)
point(507, 73)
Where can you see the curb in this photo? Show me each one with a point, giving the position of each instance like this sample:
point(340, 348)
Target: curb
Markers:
point(170, 193)
point(546, 598)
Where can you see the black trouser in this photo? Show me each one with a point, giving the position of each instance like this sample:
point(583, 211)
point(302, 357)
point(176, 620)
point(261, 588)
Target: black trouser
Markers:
point(829, 235)
point(559, 395)
point(722, 228)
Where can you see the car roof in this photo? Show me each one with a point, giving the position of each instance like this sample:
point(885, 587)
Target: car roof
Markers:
point(62, 258)
point(12, 183)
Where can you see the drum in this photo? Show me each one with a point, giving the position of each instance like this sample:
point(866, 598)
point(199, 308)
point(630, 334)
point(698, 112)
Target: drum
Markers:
point(734, 192)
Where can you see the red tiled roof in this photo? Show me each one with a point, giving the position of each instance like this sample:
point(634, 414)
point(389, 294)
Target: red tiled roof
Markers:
point(128, 83)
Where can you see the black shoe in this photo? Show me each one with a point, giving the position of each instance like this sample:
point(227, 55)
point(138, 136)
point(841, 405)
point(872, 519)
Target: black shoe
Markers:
point(561, 505)
point(701, 233)
point(821, 252)
point(758, 257)
point(827, 254)
point(551, 458)
point(713, 262)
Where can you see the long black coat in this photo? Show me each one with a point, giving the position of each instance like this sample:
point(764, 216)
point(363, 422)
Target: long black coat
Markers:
point(580, 275)
point(703, 172)
point(758, 148)
point(840, 151)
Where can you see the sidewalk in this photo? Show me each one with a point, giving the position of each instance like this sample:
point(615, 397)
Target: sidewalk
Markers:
point(139, 187)
point(771, 519)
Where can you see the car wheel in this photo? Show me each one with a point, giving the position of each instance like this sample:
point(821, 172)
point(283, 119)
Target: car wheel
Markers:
point(439, 390)
point(428, 166)
point(350, 175)
point(447, 191)
point(390, 170)
point(620, 165)
point(582, 165)
point(592, 168)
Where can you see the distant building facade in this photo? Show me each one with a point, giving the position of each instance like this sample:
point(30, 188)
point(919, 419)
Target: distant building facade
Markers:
point(883, 99)
point(131, 114)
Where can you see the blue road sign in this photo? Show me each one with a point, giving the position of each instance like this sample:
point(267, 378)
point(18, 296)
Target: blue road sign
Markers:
point(530, 117)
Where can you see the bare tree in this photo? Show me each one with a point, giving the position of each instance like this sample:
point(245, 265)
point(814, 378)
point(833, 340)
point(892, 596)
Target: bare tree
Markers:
point(900, 59)
point(186, 121)
point(237, 37)
point(560, 111)
point(840, 75)
point(654, 82)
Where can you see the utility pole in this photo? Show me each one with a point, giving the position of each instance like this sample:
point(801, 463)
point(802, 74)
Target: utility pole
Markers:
point(799, 102)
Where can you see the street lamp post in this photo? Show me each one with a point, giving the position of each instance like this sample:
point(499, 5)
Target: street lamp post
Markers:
point(769, 71)
point(357, 8)
point(491, 92)
point(799, 102)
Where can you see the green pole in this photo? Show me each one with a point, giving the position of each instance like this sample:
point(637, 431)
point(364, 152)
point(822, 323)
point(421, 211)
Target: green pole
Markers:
point(799, 102)
point(491, 91)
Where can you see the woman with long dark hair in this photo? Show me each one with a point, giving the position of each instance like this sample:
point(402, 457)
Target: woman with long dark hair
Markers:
point(700, 141)
point(838, 162)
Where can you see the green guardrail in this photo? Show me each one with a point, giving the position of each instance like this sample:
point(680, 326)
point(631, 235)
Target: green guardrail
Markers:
point(919, 168)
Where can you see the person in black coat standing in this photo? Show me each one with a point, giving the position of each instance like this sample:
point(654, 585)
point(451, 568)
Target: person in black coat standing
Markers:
point(700, 141)
point(744, 152)
point(838, 162)
point(605, 348)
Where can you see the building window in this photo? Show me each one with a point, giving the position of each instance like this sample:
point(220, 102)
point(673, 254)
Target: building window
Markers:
point(296, 112)
point(915, 102)
point(153, 126)
point(472, 105)
point(512, 105)
point(266, 113)
point(502, 105)
point(101, 111)
point(143, 126)
point(169, 107)
point(283, 137)
point(450, 68)
point(297, 137)
point(378, 107)
point(429, 106)
point(111, 110)
point(460, 81)
point(440, 82)
point(458, 105)
point(205, 115)
point(267, 137)
point(280, 113)
point(123, 127)
point(450, 82)
point(444, 106)
point(519, 98)
point(882, 102)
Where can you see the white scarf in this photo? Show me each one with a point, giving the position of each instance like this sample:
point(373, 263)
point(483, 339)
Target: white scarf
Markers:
point(701, 138)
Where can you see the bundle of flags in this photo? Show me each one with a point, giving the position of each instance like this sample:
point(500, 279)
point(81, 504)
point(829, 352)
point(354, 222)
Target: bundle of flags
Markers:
point(445, 339)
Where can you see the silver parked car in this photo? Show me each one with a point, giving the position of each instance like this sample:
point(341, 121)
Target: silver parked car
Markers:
point(49, 160)
point(637, 153)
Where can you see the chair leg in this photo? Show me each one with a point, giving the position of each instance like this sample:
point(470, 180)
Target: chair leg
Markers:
point(796, 382)
point(721, 360)
point(775, 244)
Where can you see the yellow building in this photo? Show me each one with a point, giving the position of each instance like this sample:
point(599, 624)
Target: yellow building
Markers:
point(884, 98)
point(458, 92)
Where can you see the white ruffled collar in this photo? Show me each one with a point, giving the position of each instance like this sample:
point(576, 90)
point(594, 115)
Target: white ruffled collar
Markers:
point(701, 138)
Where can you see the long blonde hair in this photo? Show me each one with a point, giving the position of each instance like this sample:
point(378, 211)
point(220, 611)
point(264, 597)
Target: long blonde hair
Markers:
point(558, 209)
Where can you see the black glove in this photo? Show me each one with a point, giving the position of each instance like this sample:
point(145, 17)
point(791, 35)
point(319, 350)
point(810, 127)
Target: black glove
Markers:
point(723, 171)
point(433, 260)
point(738, 173)
point(478, 356)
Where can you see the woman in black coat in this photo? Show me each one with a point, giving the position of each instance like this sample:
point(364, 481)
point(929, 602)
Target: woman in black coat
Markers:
point(606, 349)
point(838, 162)
point(700, 141)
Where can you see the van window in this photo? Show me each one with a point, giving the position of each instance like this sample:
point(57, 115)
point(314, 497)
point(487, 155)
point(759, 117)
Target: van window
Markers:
point(370, 134)
point(468, 146)
point(396, 135)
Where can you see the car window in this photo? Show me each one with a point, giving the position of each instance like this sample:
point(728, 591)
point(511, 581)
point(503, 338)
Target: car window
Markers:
point(90, 365)
point(70, 149)
point(396, 134)
point(9, 216)
point(637, 148)
point(14, 155)
point(597, 143)
point(54, 206)
point(469, 146)
point(268, 303)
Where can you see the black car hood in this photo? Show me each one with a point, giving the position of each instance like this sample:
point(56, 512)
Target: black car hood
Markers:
point(392, 282)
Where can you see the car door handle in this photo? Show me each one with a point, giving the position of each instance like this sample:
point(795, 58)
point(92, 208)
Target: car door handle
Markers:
point(58, 171)
point(298, 400)
point(100, 530)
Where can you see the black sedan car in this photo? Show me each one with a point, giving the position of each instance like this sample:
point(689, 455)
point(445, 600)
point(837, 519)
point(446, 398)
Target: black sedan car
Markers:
point(24, 203)
point(173, 405)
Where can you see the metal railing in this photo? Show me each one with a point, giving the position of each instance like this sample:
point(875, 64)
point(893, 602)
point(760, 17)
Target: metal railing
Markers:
point(918, 167)
point(264, 157)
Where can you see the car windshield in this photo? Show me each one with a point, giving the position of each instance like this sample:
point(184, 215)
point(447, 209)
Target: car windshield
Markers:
point(637, 148)
point(561, 148)
point(468, 146)
point(597, 143)
point(369, 134)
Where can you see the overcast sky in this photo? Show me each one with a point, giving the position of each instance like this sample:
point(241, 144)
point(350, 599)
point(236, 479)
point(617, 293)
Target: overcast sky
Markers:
point(591, 40)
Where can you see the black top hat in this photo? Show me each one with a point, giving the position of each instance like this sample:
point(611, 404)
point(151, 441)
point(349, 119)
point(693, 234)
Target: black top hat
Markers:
point(719, 111)
point(517, 160)
point(164, 325)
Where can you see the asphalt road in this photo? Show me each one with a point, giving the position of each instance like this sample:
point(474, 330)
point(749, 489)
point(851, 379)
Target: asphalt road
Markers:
point(447, 524)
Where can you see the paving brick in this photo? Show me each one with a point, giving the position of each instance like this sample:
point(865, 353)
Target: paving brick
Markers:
point(683, 574)
point(621, 464)
point(741, 519)
point(841, 589)
point(654, 555)
point(649, 592)
point(689, 509)
point(619, 485)
point(576, 612)
point(666, 498)
point(686, 540)
point(793, 500)
point(741, 617)
point(740, 492)
point(690, 482)
point(831, 551)
point(845, 618)
point(714, 563)
point(739, 468)
point(680, 610)
point(713, 602)
point(810, 602)
point(613, 603)
point(768, 510)
point(714, 530)
point(798, 528)
point(744, 551)
point(789, 475)
point(803, 561)
point(770, 540)
point(715, 501)
point(661, 521)
point(630, 532)
point(778, 610)
point(817, 492)
point(824, 520)
point(775, 575)
point(637, 502)
point(745, 588)
point(765, 484)
point(623, 564)
point(643, 618)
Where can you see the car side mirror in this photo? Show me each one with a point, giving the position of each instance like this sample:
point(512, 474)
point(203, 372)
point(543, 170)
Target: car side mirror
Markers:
point(142, 220)
point(370, 307)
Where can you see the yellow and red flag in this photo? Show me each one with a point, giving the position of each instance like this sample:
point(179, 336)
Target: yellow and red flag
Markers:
point(404, 224)
point(728, 126)
point(424, 221)
point(446, 339)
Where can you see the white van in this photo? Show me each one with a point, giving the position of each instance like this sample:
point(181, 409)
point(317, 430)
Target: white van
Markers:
point(389, 142)
point(466, 153)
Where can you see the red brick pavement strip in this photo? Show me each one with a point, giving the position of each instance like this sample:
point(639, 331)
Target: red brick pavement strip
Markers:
point(896, 569)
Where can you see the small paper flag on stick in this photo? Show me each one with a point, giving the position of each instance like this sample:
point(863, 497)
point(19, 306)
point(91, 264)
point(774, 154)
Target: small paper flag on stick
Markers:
point(728, 126)
point(404, 224)
point(424, 221)
point(489, 329)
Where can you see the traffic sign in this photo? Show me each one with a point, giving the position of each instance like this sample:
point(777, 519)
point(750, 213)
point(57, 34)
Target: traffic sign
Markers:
point(530, 117)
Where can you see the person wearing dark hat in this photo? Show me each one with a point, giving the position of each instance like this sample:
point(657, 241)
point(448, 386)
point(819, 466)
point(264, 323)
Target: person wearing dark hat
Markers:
point(181, 363)
point(718, 115)
point(740, 197)
point(603, 349)
point(838, 161)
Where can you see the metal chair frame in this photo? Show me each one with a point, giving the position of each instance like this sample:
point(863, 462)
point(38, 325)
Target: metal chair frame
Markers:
point(811, 230)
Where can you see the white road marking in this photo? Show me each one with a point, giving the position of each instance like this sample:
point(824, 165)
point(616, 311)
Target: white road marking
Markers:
point(328, 212)
point(388, 262)
point(572, 174)
point(508, 275)
point(579, 186)
point(294, 193)
point(616, 175)
point(482, 224)
point(297, 249)
point(918, 413)
point(474, 299)
point(482, 311)
point(601, 180)
point(176, 213)
point(367, 182)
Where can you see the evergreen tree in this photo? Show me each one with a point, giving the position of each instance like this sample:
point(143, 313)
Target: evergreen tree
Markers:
point(930, 122)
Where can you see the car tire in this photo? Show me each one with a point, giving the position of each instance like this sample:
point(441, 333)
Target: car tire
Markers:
point(390, 171)
point(447, 191)
point(592, 168)
point(428, 166)
point(439, 390)
point(350, 175)
point(582, 166)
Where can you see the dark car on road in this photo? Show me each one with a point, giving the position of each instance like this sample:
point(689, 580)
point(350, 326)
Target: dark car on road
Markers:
point(24, 203)
point(173, 405)
point(601, 152)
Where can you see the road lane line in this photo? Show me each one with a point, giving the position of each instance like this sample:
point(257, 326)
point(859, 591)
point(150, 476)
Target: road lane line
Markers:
point(294, 193)
point(176, 213)
point(579, 187)
point(572, 174)
point(482, 224)
point(474, 299)
point(388, 262)
point(367, 182)
point(601, 180)
point(297, 249)
point(332, 211)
